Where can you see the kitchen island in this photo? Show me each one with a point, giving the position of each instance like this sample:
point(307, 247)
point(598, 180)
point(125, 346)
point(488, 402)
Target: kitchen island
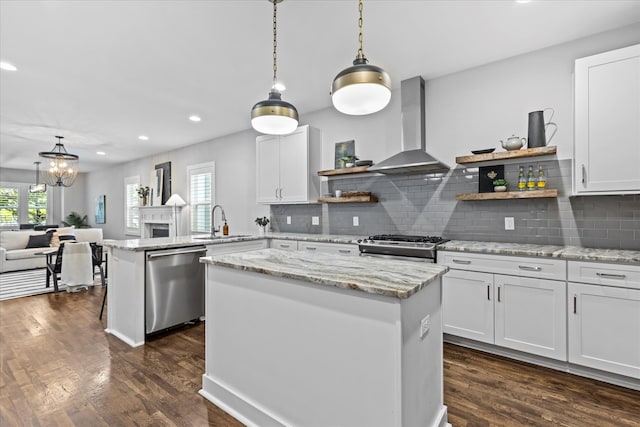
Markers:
point(297, 338)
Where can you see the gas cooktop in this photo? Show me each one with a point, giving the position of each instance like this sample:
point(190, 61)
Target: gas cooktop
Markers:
point(401, 245)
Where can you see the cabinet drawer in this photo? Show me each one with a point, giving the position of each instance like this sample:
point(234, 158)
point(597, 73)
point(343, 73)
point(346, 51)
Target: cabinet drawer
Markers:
point(287, 245)
point(228, 248)
point(331, 248)
point(622, 276)
point(543, 268)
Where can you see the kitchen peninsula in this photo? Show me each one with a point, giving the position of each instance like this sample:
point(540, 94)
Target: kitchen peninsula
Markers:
point(347, 340)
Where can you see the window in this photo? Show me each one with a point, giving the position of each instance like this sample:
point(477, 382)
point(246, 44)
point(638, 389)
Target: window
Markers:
point(19, 206)
point(131, 203)
point(201, 196)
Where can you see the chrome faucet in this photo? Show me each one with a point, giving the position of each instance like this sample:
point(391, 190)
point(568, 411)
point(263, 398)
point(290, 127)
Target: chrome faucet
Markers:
point(213, 227)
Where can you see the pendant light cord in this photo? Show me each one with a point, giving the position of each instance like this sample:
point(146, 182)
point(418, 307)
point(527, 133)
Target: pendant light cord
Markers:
point(360, 52)
point(275, 42)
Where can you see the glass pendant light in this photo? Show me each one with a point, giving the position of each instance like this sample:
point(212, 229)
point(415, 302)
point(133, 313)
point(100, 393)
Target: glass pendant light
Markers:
point(37, 187)
point(61, 167)
point(274, 116)
point(362, 88)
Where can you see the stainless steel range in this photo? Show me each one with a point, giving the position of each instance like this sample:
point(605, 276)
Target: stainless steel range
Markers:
point(422, 248)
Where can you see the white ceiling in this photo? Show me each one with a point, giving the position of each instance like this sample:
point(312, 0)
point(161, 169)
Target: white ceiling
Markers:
point(100, 73)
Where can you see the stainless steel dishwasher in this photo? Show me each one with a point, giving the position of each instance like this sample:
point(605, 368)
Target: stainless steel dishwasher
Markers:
point(174, 287)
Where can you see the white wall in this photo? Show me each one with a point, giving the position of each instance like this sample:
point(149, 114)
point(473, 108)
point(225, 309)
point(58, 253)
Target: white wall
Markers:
point(468, 110)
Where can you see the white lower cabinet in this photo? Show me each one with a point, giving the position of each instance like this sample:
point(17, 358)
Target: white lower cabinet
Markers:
point(527, 314)
point(604, 317)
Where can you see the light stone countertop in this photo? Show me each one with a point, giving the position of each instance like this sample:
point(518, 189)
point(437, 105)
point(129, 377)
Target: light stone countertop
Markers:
point(390, 277)
point(137, 245)
point(573, 253)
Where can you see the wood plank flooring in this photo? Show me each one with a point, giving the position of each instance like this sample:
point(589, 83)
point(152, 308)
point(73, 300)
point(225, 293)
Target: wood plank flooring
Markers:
point(59, 368)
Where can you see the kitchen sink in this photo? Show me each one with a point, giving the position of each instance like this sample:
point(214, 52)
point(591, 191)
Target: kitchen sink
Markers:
point(231, 236)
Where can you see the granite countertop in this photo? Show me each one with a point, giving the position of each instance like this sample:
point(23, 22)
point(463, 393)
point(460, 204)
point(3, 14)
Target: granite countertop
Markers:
point(204, 239)
point(390, 277)
point(573, 253)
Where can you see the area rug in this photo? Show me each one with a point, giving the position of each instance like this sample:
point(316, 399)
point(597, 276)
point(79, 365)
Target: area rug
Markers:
point(16, 284)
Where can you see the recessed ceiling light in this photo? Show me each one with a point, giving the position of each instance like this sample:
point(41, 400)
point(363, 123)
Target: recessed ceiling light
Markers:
point(7, 66)
point(143, 137)
point(100, 153)
point(195, 118)
point(522, 1)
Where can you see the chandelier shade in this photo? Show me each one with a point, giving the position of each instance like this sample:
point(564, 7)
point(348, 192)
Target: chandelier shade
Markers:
point(60, 167)
point(274, 116)
point(37, 187)
point(362, 88)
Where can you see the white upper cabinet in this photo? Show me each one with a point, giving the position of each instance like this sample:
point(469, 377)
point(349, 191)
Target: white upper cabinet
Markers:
point(286, 167)
point(607, 123)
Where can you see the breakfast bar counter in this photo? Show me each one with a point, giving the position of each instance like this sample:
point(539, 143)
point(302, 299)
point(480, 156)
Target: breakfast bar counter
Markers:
point(299, 338)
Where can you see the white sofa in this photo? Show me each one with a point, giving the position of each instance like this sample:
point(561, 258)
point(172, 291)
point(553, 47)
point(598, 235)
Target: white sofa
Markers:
point(13, 253)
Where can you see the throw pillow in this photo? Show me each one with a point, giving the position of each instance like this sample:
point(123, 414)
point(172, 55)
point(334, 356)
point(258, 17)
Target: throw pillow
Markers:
point(57, 232)
point(39, 241)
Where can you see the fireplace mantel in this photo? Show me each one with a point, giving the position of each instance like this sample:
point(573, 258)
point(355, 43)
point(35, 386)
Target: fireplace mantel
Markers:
point(151, 216)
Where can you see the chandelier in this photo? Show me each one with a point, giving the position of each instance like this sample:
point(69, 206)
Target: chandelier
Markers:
point(362, 88)
point(274, 116)
point(61, 168)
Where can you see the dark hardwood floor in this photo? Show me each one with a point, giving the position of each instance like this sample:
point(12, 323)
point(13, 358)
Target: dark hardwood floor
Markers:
point(59, 368)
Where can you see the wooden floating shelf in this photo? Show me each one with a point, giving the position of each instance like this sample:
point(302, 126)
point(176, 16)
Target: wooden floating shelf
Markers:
point(350, 199)
point(534, 194)
point(506, 155)
point(344, 171)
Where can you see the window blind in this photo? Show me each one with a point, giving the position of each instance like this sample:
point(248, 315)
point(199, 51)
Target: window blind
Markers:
point(200, 201)
point(131, 203)
point(8, 206)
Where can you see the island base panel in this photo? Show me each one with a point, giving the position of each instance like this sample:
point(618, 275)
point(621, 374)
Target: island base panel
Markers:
point(287, 352)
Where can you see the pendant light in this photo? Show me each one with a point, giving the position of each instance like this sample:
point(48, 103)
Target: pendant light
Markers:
point(37, 187)
point(274, 116)
point(362, 88)
point(61, 167)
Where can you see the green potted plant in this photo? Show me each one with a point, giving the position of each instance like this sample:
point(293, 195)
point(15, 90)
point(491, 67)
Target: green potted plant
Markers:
point(262, 224)
point(74, 219)
point(349, 161)
point(499, 185)
point(143, 193)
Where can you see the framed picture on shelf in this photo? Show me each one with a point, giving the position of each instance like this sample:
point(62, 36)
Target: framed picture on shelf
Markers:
point(344, 149)
point(100, 209)
point(162, 184)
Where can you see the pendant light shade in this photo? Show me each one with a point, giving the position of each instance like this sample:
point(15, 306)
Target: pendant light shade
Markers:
point(362, 88)
point(274, 116)
point(61, 168)
point(37, 187)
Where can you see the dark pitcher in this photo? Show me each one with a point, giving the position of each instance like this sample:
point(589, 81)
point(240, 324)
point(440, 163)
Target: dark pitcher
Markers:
point(537, 128)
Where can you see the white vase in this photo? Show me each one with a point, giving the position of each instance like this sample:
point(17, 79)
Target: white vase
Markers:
point(500, 188)
point(261, 231)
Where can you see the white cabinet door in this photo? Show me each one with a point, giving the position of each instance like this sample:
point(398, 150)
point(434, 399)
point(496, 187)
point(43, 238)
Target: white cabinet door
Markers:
point(530, 315)
point(467, 305)
point(268, 169)
point(604, 328)
point(294, 166)
point(607, 113)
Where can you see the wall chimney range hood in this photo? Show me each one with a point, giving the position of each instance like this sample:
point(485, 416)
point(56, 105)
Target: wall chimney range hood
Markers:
point(413, 158)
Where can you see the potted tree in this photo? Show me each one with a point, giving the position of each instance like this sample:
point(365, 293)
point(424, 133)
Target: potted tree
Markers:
point(499, 185)
point(349, 161)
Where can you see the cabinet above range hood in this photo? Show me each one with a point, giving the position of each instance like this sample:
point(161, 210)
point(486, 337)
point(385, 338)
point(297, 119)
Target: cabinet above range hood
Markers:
point(413, 158)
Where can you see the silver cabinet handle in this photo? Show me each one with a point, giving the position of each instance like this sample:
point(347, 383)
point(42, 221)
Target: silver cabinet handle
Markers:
point(461, 261)
point(311, 248)
point(611, 276)
point(276, 195)
point(575, 303)
point(529, 268)
point(282, 245)
point(193, 251)
point(499, 293)
point(584, 174)
point(488, 292)
point(344, 251)
point(281, 193)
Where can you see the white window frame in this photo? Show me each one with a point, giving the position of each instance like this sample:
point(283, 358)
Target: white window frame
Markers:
point(131, 231)
point(23, 203)
point(200, 168)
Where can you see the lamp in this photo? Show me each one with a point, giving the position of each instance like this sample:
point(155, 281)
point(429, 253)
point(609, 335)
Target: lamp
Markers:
point(175, 200)
point(274, 116)
point(62, 167)
point(362, 88)
point(37, 187)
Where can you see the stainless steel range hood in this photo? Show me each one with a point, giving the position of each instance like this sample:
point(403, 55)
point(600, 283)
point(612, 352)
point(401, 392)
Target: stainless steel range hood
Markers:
point(413, 158)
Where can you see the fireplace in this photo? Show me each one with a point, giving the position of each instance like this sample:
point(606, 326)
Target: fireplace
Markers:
point(160, 221)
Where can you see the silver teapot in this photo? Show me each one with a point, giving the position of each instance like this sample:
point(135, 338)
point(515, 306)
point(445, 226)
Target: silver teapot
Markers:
point(513, 143)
